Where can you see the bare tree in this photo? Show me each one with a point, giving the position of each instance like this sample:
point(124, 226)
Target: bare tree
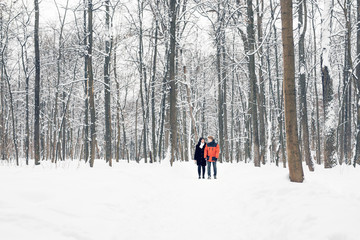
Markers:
point(292, 142)
point(172, 81)
point(357, 152)
point(86, 87)
point(302, 82)
point(37, 86)
point(329, 114)
point(108, 43)
point(253, 85)
point(91, 84)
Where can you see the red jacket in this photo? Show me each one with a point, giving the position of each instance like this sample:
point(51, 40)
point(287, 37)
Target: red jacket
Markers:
point(212, 151)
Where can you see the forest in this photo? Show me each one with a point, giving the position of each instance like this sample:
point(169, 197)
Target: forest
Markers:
point(141, 80)
point(179, 119)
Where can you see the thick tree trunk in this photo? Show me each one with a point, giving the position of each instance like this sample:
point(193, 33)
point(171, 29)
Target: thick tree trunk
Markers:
point(292, 142)
point(253, 87)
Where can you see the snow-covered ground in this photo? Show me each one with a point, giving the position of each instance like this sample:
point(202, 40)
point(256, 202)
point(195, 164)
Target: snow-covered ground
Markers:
point(144, 201)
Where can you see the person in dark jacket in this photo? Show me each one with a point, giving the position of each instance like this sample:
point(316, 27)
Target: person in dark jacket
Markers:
point(199, 157)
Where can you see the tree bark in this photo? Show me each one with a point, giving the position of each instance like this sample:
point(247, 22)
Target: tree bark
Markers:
point(224, 95)
point(172, 81)
point(253, 87)
point(15, 141)
point(357, 152)
point(37, 86)
point(220, 99)
point(91, 85)
point(261, 98)
point(302, 84)
point(153, 117)
point(329, 114)
point(142, 79)
point(292, 142)
point(348, 84)
point(86, 89)
point(107, 99)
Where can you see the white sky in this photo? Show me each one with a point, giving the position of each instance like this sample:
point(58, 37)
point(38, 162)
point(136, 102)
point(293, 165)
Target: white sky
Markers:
point(48, 11)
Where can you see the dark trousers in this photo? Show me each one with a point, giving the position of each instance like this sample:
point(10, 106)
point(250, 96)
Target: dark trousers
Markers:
point(203, 170)
point(209, 168)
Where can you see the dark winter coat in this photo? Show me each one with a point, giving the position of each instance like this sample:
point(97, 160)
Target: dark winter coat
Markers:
point(199, 154)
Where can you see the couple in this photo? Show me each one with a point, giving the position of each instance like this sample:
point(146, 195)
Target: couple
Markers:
point(206, 152)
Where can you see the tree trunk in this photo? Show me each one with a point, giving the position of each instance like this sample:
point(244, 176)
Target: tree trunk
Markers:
point(232, 106)
point(191, 110)
point(163, 110)
point(292, 142)
point(86, 90)
point(329, 113)
point(302, 84)
point(118, 107)
point(136, 131)
point(224, 95)
point(261, 98)
point(172, 81)
point(220, 99)
point(24, 60)
point(64, 127)
point(348, 84)
point(91, 85)
point(15, 141)
point(107, 99)
point(153, 117)
point(37, 86)
point(278, 95)
point(357, 152)
point(142, 78)
point(318, 145)
point(253, 87)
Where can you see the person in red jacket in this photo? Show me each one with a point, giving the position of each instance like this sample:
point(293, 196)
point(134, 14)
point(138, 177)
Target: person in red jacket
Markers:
point(211, 154)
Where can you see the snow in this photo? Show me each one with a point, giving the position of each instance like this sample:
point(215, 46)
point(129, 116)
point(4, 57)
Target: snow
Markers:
point(143, 201)
point(331, 118)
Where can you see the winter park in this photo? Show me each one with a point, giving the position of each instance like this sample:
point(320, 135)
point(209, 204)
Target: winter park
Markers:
point(179, 119)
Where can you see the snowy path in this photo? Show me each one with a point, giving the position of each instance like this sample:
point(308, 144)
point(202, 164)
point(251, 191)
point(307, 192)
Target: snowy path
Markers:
point(157, 202)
